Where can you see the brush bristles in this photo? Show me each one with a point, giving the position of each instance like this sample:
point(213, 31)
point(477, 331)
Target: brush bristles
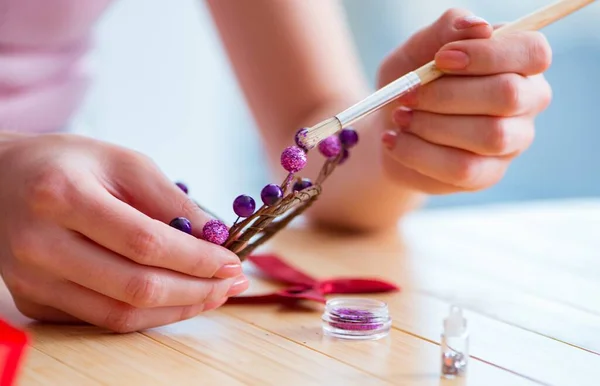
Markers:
point(321, 131)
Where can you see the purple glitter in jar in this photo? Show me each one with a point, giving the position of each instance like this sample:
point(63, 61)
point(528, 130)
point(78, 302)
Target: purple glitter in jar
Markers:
point(352, 319)
point(293, 159)
point(214, 231)
point(330, 147)
point(356, 318)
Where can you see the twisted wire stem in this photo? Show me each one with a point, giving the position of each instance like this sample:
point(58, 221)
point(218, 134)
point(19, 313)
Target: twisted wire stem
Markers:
point(246, 236)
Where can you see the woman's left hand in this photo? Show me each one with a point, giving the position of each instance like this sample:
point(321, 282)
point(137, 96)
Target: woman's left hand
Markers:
point(461, 132)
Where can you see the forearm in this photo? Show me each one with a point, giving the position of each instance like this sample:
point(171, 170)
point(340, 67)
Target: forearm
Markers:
point(296, 65)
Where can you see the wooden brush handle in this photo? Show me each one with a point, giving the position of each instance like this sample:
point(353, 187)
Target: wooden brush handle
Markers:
point(532, 22)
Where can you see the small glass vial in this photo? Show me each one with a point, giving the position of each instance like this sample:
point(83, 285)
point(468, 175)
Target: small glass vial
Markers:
point(356, 318)
point(455, 344)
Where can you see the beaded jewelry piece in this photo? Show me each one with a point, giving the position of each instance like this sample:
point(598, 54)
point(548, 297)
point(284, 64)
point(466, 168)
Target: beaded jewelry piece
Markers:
point(281, 203)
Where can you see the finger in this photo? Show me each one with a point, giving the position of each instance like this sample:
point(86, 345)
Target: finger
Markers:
point(99, 310)
point(117, 226)
point(80, 261)
point(498, 95)
point(525, 53)
point(448, 165)
point(214, 305)
point(141, 184)
point(420, 48)
point(479, 134)
point(411, 179)
point(42, 313)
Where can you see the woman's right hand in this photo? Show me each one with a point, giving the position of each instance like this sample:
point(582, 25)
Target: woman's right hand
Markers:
point(84, 236)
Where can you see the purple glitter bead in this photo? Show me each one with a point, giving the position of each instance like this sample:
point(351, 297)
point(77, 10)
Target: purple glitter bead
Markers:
point(182, 223)
point(215, 232)
point(244, 205)
point(300, 138)
point(271, 194)
point(344, 157)
point(348, 137)
point(293, 159)
point(302, 184)
point(182, 186)
point(330, 146)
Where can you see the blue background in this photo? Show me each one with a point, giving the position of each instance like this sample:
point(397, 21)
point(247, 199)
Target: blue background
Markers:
point(163, 86)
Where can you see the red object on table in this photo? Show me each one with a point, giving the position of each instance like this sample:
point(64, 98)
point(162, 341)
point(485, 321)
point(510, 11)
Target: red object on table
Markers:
point(12, 347)
point(305, 287)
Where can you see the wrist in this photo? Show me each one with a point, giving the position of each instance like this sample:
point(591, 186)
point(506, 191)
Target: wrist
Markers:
point(7, 138)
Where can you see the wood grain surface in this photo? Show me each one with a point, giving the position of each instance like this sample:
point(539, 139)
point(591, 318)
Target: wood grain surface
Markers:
point(527, 275)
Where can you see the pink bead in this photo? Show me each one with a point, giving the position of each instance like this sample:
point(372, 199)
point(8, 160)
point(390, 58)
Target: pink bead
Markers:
point(293, 159)
point(215, 232)
point(330, 147)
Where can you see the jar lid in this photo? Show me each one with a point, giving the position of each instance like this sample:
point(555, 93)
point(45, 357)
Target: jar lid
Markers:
point(356, 318)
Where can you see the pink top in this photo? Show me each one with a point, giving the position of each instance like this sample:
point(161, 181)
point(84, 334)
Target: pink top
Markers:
point(42, 44)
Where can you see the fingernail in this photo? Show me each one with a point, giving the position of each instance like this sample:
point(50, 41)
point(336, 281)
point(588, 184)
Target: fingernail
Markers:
point(469, 21)
point(451, 60)
point(239, 286)
point(402, 117)
point(389, 139)
point(229, 270)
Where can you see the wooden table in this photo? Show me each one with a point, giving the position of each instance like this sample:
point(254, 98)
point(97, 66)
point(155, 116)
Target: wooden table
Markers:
point(527, 275)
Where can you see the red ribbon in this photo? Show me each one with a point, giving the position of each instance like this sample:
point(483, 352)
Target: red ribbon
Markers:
point(304, 287)
point(12, 346)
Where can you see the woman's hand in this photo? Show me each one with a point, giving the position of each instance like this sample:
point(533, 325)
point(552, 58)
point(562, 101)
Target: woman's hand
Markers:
point(84, 235)
point(460, 132)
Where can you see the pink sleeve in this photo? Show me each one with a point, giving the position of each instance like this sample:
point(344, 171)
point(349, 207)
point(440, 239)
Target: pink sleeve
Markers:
point(42, 45)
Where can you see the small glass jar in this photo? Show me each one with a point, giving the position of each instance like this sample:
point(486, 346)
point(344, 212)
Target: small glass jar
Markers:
point(356, 318)
point(455, 344)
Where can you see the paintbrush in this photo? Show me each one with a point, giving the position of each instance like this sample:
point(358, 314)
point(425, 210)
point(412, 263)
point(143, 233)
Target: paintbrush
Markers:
point(428, 73)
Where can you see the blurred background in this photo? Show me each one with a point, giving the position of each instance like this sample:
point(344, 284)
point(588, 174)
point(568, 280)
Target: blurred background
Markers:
point(163, 86)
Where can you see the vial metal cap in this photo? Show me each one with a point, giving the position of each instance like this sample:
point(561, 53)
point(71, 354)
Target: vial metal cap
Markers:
point(455, 324)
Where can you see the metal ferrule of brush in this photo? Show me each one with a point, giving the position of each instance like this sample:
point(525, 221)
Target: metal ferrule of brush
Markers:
point(379, 98)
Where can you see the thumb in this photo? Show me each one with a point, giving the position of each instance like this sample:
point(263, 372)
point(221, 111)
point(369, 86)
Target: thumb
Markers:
point(420, 48)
